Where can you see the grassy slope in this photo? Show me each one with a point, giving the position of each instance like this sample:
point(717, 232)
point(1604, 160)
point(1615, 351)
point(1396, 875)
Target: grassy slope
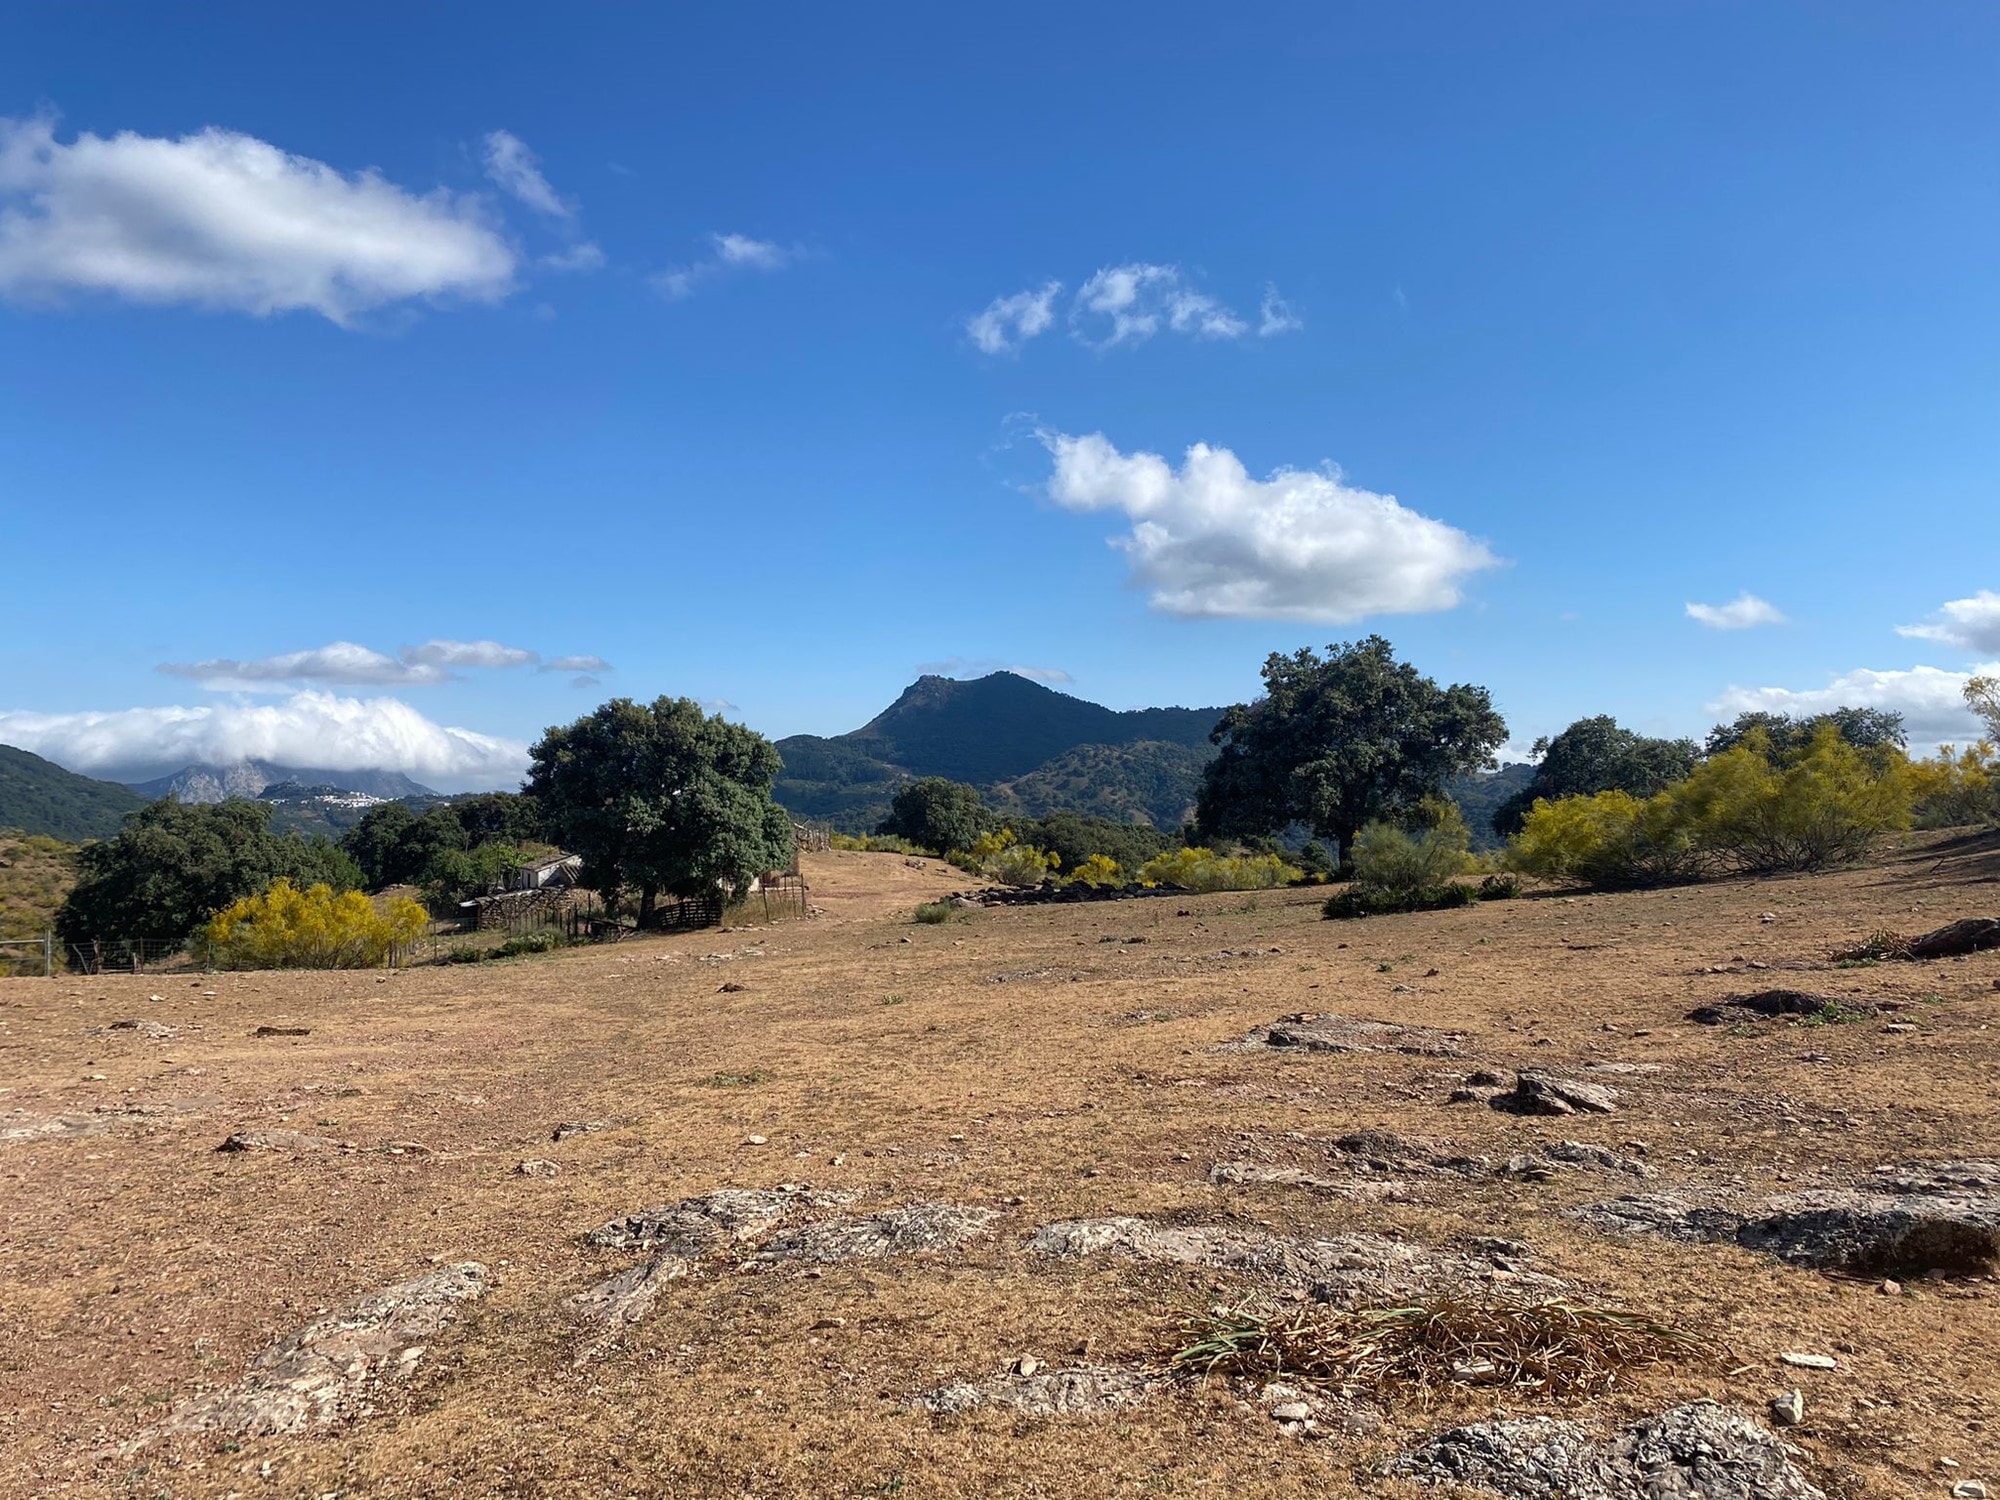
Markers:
point(39, 796)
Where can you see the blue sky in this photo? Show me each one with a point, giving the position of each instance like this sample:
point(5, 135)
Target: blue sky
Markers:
point(770, 356)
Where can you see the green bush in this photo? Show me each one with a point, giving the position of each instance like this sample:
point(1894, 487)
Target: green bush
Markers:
point(1389, 860)
point(931, 913)
point(1374, 901)
point(876, 843)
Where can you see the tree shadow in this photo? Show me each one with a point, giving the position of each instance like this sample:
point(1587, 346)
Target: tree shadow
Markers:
point(1969, 858)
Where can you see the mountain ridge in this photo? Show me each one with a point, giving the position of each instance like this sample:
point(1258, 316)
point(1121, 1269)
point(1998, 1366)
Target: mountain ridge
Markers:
point(38, 796)
point(202, 781)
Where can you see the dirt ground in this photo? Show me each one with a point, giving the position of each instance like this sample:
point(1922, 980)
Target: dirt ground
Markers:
point(1037, 1062)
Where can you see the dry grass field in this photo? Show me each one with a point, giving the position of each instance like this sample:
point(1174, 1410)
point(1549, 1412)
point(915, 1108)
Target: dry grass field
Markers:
point(1044, 1064)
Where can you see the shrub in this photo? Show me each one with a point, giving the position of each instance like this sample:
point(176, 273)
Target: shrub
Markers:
point(931, 913)
point(1956, 788)
point(1002, 857)
point(289, 928)
point(1609, 840)
point(1097, 871)
point(874, 843)
point(1824, 805)
point(1374, 901)
point(1199, 869)
point(1391, 861)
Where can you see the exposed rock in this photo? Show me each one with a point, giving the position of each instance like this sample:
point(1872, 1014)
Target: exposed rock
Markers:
point(1702, 1451)
point(1789, 1409)
point(1583, 1154)
point(695, 1226)
point(622, 1300)
point(1046, 1393)
point(1876, 1234)
point(1257, 1174)
point(281, 1140)
point(1311, 1031)
point(1767, 1003)
point(152, 1030)
point(1544, 1094)
point(1671, 1216)
point(328, 1371)
point(569, 1128)
point(282, 1031)
point(536, 1166)
point(19, 1126)
point(1809, 1361)
point(1344, 1269)
point(913, 1229)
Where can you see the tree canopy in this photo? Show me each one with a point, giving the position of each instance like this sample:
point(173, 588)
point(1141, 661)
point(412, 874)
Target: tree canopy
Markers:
point(173, 865)
point(1597, 755)
point(1982, 696)
point(1783, 736)
point(1342, 740)
point(936, 813)
point(661, 797)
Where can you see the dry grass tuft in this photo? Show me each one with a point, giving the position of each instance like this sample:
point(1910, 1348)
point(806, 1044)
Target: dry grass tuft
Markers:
point(1555, 1348)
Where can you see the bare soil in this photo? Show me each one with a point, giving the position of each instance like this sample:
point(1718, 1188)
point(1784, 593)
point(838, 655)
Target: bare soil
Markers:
point(1036, 1064)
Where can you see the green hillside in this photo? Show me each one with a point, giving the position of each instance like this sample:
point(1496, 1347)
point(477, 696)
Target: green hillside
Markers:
point(39, 796)
point(1152, 781)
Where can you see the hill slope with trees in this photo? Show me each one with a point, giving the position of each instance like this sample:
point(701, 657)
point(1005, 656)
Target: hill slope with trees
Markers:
point(39, 796)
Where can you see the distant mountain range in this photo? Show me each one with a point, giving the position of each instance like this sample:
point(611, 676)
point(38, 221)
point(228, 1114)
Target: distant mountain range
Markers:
point(39, 796)
point(1028, 748)
point(250, 778)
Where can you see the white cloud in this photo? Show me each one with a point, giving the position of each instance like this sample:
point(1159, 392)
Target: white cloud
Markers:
point(1007, 323)
point(959, 666)
point(1275, 316)
point(1744, 612)
point(345, 664)
point(731, 252)
point(1931, 701)
point(469, 654)
point(223, 220)
point(1211, 541)
point(513, 167)
point(308, 729)
point(1969, 624)
point(1128, 304)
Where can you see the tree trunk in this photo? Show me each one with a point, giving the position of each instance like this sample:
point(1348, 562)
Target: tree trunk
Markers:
point(648, 896)
point(1344, 837)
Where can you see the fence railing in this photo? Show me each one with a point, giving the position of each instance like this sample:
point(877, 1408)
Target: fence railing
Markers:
point(20, 957)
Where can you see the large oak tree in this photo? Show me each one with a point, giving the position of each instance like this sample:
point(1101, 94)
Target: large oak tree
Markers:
point(1341, 740)
point(661, 798)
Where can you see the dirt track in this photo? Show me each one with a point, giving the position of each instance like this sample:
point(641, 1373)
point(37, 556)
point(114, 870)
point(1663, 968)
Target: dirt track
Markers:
point(1033, 1062)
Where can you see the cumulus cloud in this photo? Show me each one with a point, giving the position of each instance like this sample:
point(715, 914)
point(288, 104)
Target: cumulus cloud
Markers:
point(1969, 624)
point(1931, 701)
point(513, 167)
point(1744, 612)
point(223, 220)
point(307, 729)
point(1209, 540)
point(1006, 323)
point(579, 257)
point(1128, 304)
point(345, 664)
point(959, 666)
point(728, 252)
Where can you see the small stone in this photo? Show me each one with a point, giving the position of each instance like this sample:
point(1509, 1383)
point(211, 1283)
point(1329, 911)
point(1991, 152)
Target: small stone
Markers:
point(536, 1166)
point(1026, 1365)
point(1899, 1027)
point(1809, 1361)
point(1789, 1409)
point(1968, 1489)
point(1291, 1411)
point(756, 1140)
point(1891, 1288)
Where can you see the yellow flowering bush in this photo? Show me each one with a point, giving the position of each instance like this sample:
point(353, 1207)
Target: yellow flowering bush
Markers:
point(287, 928)
point(1198, 869)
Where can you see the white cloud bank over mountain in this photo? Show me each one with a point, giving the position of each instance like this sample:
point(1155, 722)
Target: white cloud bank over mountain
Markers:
point(1209, 540)
point(306, 729)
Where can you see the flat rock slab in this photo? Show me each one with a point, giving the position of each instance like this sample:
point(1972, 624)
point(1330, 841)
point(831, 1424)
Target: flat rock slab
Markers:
point(1082, 1391)
point(152, 1030)
point(627, 1298)
point(1910, 1229)
point(1701, 1451)
point(328, 1371)
point(1311, 1031)
point(696, 1226)
point(1765, 1004)
point(19, 1126)
point(1349, 1270)
point(913, 1229)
